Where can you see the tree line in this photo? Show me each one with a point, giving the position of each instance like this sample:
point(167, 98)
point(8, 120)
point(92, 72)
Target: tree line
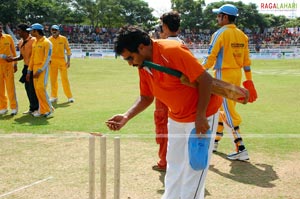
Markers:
point(114, 13)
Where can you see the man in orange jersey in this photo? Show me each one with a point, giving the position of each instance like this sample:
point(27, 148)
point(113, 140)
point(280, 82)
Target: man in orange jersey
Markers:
point(39, 65)
point(228, 54)
point(25, 46)
point(7, 70)
point(169, 29)
point(61, 49)
point(189, 108)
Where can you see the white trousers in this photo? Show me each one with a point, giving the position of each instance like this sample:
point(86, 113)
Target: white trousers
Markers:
point(181, 181)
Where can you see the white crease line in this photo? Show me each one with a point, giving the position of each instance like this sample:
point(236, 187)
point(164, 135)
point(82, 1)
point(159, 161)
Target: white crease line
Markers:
point(25, 187)
point(139, 136)
point(276, 72)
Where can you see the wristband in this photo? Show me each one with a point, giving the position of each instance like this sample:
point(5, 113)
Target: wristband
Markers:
point(3, 56)
point(248, 75)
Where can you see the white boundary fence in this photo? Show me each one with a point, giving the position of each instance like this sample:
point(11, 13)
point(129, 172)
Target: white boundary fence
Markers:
point(106, 52)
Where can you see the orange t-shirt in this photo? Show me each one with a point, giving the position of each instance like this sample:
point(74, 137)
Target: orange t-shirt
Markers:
point(26, 49)
point(182, 100)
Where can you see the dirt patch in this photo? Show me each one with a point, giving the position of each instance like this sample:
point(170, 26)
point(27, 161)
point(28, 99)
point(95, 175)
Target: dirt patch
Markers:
point(263, 177)
point(56, 167)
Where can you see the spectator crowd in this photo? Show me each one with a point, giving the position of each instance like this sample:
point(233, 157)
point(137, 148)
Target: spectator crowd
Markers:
point(195, 38)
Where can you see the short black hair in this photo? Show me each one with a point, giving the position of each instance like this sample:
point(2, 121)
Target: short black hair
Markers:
point(23, 27)
point(130, 37)
point(172, 20)
point(231, 18)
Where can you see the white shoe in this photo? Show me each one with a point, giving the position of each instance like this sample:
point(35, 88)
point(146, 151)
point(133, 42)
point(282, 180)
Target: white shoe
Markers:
point(3, 111)
point(14, 112)
point(215, 149)
point(36, 114)
point(240, 155)
point(71, 100)
point(53, 99)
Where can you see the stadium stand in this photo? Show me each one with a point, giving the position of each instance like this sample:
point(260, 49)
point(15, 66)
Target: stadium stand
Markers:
point(89, 39)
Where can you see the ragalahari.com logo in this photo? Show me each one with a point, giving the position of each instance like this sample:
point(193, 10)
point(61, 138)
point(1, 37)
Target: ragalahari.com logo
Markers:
point(292, 6)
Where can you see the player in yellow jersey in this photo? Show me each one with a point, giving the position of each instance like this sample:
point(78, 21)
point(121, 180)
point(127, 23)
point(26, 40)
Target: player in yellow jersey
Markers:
point(61, 50)
point(229, 53)
point(39, 65)
point(7, 70)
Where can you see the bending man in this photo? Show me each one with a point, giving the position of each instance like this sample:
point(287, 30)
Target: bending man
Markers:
point(189, 108)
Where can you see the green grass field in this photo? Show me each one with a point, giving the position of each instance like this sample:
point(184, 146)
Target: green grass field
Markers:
point(106, 87)
point(103, 87)
point(100, 87)
point(32, 148)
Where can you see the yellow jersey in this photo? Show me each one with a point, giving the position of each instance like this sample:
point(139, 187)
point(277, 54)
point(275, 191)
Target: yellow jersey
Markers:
point(41, 55)
point(60, 47)
point(7, 48)
point(228, 49)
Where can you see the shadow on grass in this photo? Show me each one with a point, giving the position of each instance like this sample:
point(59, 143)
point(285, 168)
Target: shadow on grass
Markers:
point(35, 121)
point(6, 117)
point(61, 105)
point(260, 175)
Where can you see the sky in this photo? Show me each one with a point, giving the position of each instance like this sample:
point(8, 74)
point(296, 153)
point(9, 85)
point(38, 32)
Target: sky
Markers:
point(291, 9)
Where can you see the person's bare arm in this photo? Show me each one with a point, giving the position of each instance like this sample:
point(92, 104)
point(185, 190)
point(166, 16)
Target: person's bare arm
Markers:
point(204, 82)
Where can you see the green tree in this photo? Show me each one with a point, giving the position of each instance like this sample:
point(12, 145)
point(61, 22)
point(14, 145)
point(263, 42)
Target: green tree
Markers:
point(137, 12)
point(45, 11)
point(191, 12)
point(276, 20)
point(293, 22)
point(89, 8)
point(63, 12)
point(8, 12)
point(113, 13)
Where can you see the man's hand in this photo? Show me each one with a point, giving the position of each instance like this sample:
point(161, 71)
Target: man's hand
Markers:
point(37, 73)
point(204, 90)
point(15, 68)
point(27, 77)
point(116, 122)
point(201, 125)
point(9, 58)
